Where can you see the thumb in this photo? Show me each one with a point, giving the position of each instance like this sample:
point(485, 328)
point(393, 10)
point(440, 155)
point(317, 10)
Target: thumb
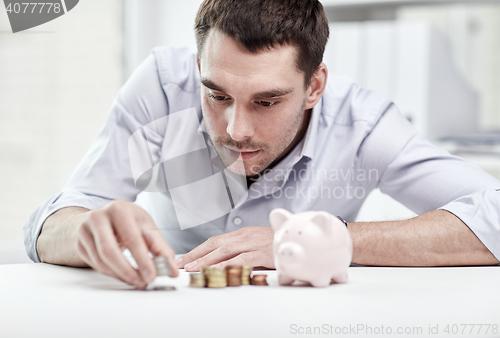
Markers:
point(159, 247)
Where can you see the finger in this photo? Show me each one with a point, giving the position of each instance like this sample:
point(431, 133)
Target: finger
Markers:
point(87, 248)
point(87, 243)
point(86, 258)
point(245, 258)
point(109, 252)
point(159, 247)
point(227, 250)
point(82, 253)
point(194, 259)
point(127, 226)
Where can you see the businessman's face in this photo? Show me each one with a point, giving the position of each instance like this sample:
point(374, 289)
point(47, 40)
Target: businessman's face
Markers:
point(253, 103)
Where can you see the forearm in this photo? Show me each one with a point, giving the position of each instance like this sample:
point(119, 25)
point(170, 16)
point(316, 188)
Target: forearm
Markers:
point(57, 241)
point(436, 238)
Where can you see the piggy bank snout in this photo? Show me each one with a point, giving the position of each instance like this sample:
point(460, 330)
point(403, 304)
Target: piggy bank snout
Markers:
point(290, 252)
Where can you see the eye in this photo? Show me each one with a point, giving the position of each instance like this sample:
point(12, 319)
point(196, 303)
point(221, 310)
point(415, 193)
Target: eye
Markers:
point(286, 232)
point(267, 103)
point(300, 232)
point(218, 97)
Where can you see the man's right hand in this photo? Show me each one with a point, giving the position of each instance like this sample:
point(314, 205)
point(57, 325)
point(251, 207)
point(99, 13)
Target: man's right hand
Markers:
point(120, 225)
point(99, 238)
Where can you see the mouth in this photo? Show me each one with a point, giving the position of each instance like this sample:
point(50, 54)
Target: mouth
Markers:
point(235, 153)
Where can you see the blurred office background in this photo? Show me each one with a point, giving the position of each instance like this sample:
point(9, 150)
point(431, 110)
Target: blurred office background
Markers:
point(438, 60)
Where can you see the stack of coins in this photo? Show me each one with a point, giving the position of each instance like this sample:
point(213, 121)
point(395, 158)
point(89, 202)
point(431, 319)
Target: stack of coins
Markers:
point(204, 271)
point(245, 274)
point(233, 273)
point(216, 278)
point(259, 280)
point(197, 280)
point(162, 266)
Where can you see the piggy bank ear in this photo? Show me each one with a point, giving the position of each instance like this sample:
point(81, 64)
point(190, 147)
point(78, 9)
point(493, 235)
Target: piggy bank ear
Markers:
point(278, 217)
point(324, 221)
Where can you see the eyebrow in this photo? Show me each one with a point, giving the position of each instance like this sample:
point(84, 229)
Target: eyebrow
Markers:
point(268, 94)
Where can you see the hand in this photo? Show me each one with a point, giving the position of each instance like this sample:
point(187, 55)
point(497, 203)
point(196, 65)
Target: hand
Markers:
point(107, 231)
point(246, 246)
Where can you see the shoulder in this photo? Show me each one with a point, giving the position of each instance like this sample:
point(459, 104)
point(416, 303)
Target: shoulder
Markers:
point(369, 124)
point(166, 81)
point(177, 66)
point(347, 102)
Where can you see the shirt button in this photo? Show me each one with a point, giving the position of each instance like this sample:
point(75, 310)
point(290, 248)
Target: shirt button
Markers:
point(237, 221)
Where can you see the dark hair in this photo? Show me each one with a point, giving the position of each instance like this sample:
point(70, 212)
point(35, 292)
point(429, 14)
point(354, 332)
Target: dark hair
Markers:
point(260, 24)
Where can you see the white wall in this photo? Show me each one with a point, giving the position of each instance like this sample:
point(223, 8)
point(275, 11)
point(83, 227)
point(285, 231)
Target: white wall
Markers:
point(474, 33)
point(57, 82)
point(157, 22)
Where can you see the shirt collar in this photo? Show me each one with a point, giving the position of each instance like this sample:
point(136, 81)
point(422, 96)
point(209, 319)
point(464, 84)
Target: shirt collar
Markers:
point(309, 144)
point(201, 127)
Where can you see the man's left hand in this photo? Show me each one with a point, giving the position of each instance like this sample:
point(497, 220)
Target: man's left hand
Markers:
point(247, 246)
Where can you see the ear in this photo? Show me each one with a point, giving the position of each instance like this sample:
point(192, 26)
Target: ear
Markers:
point(316, 87)
point(198, 63)
point(324, 221)
point(278, 217)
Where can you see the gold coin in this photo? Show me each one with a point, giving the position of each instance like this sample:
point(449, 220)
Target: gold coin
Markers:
point(197, 280)
point(217, 285)
point(259, 280)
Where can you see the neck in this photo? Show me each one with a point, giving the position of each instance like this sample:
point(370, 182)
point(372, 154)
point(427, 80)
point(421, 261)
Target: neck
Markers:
point(298, 137)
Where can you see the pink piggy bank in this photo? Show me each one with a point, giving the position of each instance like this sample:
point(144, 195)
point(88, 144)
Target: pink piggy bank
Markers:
point(312, 247)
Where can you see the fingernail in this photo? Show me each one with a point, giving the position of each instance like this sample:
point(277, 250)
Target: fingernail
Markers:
point(141, 286)
point(190, 265)
point(178, 261)
point(145, 275)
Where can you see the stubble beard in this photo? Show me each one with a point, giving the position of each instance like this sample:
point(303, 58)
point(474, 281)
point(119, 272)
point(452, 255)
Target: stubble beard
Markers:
point(271, 152)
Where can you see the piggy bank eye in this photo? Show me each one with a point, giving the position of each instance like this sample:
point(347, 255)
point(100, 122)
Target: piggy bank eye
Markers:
point(300, 232)
point(286, 232)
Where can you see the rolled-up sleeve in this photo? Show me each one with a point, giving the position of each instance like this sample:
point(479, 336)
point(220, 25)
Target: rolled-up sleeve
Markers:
point(481, 212)
point(425, 177)
point(105, 172)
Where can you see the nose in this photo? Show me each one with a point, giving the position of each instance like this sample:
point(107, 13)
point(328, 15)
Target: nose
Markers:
point(239, 125)
point(290, 252)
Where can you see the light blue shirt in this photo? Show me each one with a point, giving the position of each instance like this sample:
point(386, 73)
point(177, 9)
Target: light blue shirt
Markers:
point(356, 141)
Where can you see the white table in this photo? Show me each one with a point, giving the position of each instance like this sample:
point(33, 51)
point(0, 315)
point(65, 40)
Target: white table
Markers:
point(41, 300)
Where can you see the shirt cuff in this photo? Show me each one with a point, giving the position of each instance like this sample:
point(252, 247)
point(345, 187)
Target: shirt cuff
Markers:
point(480, 211)
point(65, 199)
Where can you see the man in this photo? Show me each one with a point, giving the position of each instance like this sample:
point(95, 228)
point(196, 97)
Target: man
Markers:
point(304, 141)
